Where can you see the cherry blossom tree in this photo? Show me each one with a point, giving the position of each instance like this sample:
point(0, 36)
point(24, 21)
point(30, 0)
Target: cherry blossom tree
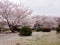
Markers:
point(13, 13)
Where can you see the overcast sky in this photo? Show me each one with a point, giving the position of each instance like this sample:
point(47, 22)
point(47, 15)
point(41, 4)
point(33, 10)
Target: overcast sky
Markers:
point(43, 7)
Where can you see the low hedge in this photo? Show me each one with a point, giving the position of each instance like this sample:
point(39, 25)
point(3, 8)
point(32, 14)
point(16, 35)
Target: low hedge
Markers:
point(46, 30)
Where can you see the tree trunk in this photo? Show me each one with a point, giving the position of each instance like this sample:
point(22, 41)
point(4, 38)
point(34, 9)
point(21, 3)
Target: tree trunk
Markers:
point(10, 26)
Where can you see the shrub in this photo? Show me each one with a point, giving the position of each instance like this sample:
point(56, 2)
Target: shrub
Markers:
point(25, 31)
point(45, 29)
point(58, 29)
point(0, 30)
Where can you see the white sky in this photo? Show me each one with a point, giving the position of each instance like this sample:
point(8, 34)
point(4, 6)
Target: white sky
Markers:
point(43, 7)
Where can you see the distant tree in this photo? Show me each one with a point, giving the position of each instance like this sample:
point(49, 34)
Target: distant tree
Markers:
point(13, 13)
point(58, 28)
point(47, 21)
point(37, 26)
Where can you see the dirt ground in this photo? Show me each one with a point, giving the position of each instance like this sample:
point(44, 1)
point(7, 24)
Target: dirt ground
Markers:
point(37, 38)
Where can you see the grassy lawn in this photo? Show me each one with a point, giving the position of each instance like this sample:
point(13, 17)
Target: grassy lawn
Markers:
point(41, 38)
point(37, 38)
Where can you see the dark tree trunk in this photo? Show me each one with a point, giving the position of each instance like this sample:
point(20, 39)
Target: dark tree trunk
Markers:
point(10, 26)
